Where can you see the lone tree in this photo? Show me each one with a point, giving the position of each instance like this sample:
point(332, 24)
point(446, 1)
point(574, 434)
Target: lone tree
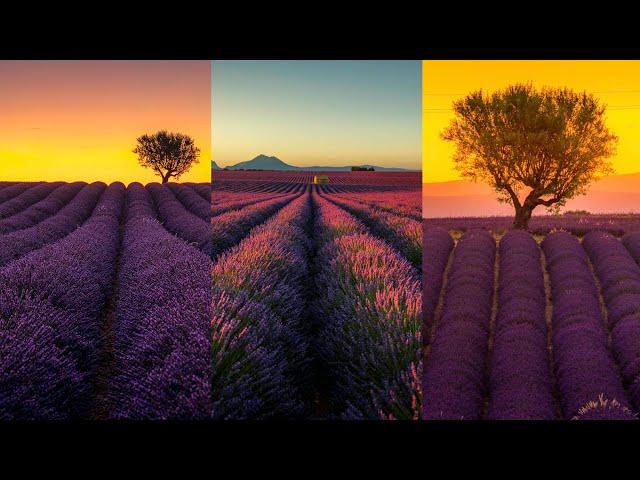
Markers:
point(534, 147)
point(168, 154)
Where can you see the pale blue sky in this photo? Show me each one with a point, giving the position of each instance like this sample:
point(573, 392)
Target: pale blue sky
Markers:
point(317, 112)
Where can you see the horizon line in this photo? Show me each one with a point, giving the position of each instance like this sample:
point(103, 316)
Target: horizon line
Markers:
point(468, 180)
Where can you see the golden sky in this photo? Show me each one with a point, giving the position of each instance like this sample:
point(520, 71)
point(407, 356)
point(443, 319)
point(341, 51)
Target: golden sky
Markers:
point(79, 120)
point(615, 82)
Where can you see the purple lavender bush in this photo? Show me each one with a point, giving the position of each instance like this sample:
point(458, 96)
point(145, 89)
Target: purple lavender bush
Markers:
point(584, 367)
point(160, 345)
point(604, 409)
point(438, 245)
point(14, 190)
point(27, 198)
point(519, 380)
point(231, 227)
point(52, 300)
point(368, 314)
point(616, 224)
point(402, 232)
point(222, 204)
point(251, 374)
point(41, 210)
point(259, 329)
point(619, 277)
point(15, 244)
point(191, 200)
point(202, 189)
point(454, 374)
point(178, 220)
point(631, 242)
point(40, 378)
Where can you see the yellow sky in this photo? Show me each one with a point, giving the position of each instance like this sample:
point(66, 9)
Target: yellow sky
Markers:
point(79, 120)
point(615, 82)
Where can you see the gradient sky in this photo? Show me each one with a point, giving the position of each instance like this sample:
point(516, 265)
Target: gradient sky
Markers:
point(317, 112)
point(615, 83)
point(79, 120)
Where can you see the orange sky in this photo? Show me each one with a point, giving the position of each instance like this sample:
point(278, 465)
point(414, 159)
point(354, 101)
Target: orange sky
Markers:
point(615, 83)
point(79, 120)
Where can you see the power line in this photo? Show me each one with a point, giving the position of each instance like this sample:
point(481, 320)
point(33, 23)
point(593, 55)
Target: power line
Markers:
point(623, 107)
point(617, 91)
point(612, 107)
point(439, 94)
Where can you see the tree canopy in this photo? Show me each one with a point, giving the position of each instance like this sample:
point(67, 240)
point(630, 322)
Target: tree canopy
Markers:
point(166, 153)
point(534, 147)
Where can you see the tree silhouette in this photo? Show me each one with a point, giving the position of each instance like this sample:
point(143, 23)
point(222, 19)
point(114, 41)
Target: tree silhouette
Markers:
point(166, 153)
point(552, 142)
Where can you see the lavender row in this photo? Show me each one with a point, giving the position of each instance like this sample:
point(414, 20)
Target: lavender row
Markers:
point(193, 202)
point(402, 232)
point(438, 245)
point(27, 198)
point(230, 228)
point(332, 222)
point(250, 188)
point(14, 190)
point(402, 203)
point(50, 304)
point(616, 224)
point(619, 277)
point(585, 370)
point(520, 385)
point(160, 344)
point(632, 244)
point(202, 189)
point(368, 313)
point(178, 220)
point(15, 244)
point(41, 210)
point(454, 379)
point(259, 333)
point(228, 205)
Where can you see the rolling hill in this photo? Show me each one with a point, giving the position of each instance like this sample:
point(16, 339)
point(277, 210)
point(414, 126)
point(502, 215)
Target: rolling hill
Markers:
point(461, 198)
point(264, 162)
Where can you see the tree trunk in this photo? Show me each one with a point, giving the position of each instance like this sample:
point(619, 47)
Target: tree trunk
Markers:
point(523, 215)
point(165, 177)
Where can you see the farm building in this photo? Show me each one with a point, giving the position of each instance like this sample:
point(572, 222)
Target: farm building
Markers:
point(317, 179)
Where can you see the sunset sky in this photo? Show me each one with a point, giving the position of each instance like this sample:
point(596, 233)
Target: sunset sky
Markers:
point(615, 83)
point(317, 112)
point(79, 120)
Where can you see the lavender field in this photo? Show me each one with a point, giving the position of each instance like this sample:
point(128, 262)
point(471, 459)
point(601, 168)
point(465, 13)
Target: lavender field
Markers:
point(316, 296)
point(104, 301)
point(532, 326)
point(577, 224)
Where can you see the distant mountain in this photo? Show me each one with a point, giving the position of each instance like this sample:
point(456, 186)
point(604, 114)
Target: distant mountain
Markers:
point(461, 198)
point(264, 162)
point(214, 166)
